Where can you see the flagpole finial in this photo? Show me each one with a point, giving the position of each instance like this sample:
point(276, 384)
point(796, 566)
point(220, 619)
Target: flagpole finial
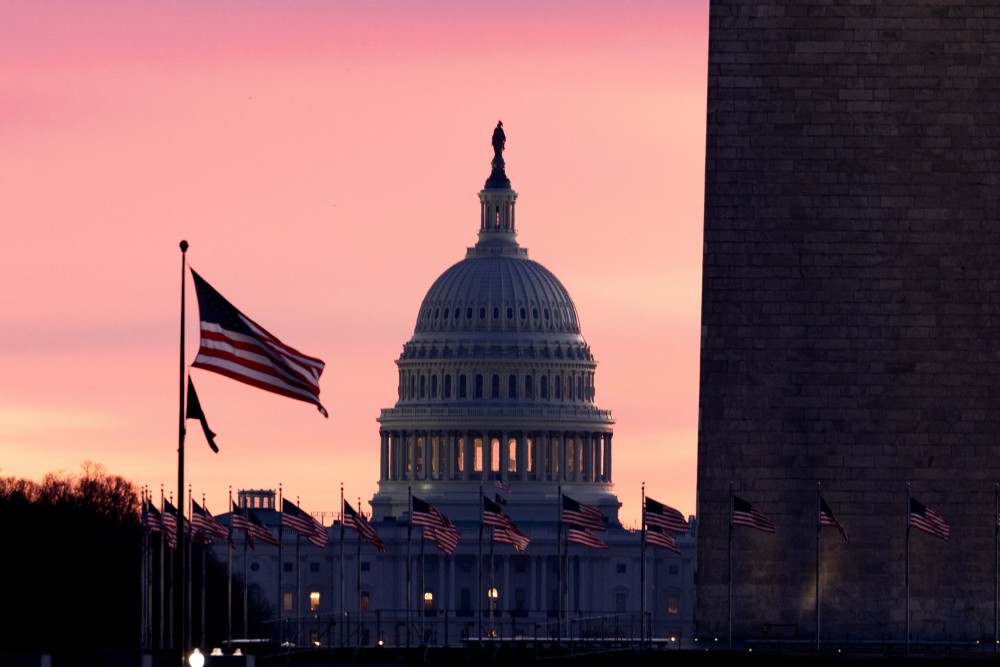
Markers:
point(184, 246)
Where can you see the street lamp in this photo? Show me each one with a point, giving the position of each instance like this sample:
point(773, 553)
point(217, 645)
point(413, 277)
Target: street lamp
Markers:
point(196, 659)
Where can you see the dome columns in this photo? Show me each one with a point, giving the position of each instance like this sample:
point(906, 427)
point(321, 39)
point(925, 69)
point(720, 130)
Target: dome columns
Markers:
point(508, 455)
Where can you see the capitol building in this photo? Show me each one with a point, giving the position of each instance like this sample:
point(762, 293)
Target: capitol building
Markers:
point(496, 399)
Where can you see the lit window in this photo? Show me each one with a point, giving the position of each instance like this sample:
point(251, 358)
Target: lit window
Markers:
point(286, 601)
point(314, 601)
point(673, 604)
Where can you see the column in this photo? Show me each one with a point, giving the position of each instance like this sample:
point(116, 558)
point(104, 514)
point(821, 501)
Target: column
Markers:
point(607, 457)
point(563, 474)
point(468, 454)
point(487, 454)
point(427, 460)
point(522, 456)
point(588, 458)
point(384, 453)
point(504, 456)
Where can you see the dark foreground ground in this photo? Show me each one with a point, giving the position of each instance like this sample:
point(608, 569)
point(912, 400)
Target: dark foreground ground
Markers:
point(515, 656)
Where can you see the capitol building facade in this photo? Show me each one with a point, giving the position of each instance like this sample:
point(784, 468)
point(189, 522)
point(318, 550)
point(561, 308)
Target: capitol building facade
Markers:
point(496, 403)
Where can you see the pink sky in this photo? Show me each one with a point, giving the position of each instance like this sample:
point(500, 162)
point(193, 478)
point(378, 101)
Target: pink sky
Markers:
point(322, 159)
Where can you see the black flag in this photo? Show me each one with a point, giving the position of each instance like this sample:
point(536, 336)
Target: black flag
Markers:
point(194, 411)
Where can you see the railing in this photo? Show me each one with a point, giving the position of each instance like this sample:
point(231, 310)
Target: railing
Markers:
point(440, 628)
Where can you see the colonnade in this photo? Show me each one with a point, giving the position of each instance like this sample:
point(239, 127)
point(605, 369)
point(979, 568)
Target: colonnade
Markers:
point(571, 456)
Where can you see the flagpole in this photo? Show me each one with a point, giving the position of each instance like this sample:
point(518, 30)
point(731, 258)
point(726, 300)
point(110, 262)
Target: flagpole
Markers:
point(342, 563)
point(246, 583)
point(409, 580)
point(358, 588)
point(559, 556)
point(996, 564)
point(479, 566)
point(907, 568)
point(420, 596)
point(229, 567)
point(189, 582)
point(818, 527)
point(163, 559)
point(730, 603)
point(642, 570)
point(182, 566)
point(204, 583)
point(281, 542)
point(297, 606)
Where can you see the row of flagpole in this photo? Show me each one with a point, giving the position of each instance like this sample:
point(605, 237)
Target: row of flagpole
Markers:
point(235, 346)
point(577, 523)
point(918, 516)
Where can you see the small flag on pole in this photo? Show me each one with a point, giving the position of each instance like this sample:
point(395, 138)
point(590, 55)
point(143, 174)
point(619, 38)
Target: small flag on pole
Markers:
point(437, 527)
point(659, 537)
point(358, 522)
point(306, 526)
point(745, 514)
point(205, 523)
point(826, 518)
point(169, 516)
point(151, 517)
point(503, 526)
point(585, 536)
point(927, 520)
point(194, 411)
point(235, 346)
point(581, 515)
point(667, 518)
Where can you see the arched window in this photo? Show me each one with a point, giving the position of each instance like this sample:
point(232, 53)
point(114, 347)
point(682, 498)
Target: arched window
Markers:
point(463, 388)
point(447, 386)
point(423, 386)
point(570, 393)
point(544, 388)
point(558, 388)
point(479, 386)
point(413, 387)
point(512, 386)
point(529, 386)
point(434, 386)
point(495, 387)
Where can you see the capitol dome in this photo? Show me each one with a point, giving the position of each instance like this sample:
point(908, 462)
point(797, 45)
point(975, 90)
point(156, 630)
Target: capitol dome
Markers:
point(496, 384)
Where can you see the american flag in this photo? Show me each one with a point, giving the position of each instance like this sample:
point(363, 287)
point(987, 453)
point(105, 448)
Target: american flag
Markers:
point(494, 516)
point(581, 515)
point(745, 514)
point(665, 517)
point(235, 346)
point(204, 523)
point(826, 518)
point(503, 526)
point(445, 537)
point(502, 484)
point(151, 517)
point(425, 515)
point(584, 536)
point(927, 520)
point(358, 522)
point(302, 523)
point(659, 537)
point(437, 527)
point(258, 531)
point(239, 522)
point(169, 516)
point(511, 536)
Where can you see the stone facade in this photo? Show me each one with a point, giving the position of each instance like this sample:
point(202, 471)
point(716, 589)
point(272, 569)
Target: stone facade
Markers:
point(850, 319)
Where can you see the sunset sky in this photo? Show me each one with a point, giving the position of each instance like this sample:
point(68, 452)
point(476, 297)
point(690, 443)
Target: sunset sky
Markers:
point(323, 161)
